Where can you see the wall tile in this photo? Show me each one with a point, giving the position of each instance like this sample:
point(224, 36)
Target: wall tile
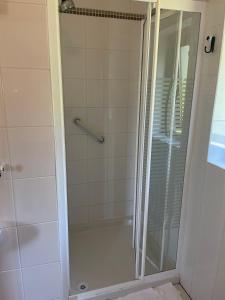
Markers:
point(78, 215)
point(4, 151)
point(117, 145)
point(97, 30)
point(134, 63)
point(26, 1)
point(116, 93)
point(134, 94)
point(2, 107)
point(130, 167)
point(119, 34)
point(33, 206)
point(117, 168)
point(97, 170)
point(121, 190)
point(77, 172)
point(117, 119)
point(96, 120)
point(43, 282)
point(11, 285)
point(118, 5)
point(78, 195)
point(97, 4)
point(9, 254)
point(32, 152)
point(28, 99)
point(72, 30)
point(132, 119)
point(98, 192)
point(39, 244)
point(7, 211)
point(109, 92)
point(95, 63)
point(74, 94)
point(116, 64)
point(131, 144)
point(16, 19)
point(138, 7)
point(24, 61)
point(73, 62)
point(135, 35)
point(110, 211)
point(76, 147)
point(95, 93)
point(130, 184)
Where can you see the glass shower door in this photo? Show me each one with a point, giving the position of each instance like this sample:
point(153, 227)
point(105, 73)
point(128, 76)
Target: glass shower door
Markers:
point(166, 114)
point(148, 52)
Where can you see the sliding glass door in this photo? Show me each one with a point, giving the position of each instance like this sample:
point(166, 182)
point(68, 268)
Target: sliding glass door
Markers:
point(168, 75)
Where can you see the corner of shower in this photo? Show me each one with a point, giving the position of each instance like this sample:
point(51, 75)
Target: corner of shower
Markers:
point(128, 84)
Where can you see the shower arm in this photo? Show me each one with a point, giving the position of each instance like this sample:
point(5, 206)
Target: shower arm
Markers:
point(99, 139)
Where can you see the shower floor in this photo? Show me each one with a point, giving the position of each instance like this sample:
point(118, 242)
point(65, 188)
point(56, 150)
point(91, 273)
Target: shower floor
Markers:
point(101, 257)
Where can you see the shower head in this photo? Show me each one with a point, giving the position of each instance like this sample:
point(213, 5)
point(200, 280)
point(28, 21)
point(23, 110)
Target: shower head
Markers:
point(66, 5)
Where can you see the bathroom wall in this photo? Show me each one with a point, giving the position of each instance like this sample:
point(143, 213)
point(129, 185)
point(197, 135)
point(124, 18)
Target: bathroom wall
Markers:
point(202, 264)
point(101, 59)
point(29, 243)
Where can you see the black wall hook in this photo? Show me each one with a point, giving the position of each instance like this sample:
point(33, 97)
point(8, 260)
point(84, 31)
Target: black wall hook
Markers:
point(211, 40)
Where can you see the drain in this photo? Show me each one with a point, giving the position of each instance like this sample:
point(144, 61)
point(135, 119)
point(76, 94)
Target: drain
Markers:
point(83, 287)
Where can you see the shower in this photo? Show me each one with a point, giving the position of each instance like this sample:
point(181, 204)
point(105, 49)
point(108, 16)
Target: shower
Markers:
point(128, 71)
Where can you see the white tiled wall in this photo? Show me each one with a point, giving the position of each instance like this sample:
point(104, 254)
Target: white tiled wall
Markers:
point(29, 243)
point(100, 74)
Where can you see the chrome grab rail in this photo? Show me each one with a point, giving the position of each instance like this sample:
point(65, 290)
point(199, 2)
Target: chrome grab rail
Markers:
point(99, 139)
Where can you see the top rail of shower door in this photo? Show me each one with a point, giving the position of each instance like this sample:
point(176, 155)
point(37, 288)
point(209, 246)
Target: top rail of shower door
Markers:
point(99, 139)
point(105, 13)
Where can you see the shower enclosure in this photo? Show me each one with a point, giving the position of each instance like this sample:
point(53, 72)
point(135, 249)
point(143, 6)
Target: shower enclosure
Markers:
point(128, 73)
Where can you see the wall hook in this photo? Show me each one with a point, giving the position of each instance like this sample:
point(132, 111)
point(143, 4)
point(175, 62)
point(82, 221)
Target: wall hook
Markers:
point(211, 40)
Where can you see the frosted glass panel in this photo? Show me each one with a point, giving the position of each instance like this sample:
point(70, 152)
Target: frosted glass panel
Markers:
point(178, 42)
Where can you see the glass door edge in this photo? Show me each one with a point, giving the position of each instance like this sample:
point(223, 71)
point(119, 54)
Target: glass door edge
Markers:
point(150, 133)
point(142, 114)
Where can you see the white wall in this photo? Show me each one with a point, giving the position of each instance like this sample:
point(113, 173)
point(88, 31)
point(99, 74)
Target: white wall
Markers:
point(100, 79)
point(203, 269)
point(29, 243)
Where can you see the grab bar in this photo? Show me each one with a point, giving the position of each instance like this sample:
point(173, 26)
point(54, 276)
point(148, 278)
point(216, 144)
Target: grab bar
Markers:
point(99, 139)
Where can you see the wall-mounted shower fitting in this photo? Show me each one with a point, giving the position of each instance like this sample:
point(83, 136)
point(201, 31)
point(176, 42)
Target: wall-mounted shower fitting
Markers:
point(66, 5)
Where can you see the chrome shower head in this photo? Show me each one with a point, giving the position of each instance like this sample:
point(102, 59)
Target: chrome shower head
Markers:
point(66, 5)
